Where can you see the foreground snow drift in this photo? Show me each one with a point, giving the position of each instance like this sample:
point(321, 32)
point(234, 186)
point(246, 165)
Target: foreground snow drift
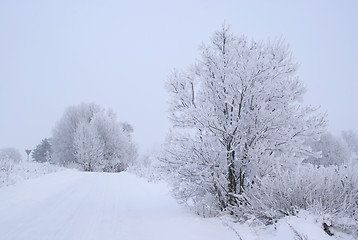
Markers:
point(78, 205)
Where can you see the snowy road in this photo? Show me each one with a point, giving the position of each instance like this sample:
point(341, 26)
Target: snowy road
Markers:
point(76, 205)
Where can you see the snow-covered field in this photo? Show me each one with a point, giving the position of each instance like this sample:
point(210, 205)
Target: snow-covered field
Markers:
point(79, 205)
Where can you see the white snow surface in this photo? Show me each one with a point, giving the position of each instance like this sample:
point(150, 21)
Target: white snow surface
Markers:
point(80, 205)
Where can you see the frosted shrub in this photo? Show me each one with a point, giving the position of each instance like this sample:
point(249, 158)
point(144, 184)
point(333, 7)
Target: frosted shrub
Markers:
point(12, 172)
point(147, 167)
point(8, 158)
point(326, 191)
point(6, 166)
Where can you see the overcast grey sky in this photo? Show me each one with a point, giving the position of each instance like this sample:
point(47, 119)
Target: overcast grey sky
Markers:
point(118, 54)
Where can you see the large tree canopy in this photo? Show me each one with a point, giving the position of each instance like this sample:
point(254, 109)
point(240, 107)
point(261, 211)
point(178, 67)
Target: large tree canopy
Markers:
point(240, 108)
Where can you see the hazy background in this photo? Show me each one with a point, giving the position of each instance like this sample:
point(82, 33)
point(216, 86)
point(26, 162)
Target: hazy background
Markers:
point(118, 54)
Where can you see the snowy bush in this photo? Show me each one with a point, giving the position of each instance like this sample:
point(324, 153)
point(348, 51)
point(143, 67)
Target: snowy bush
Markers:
point(6, 166)
point(326, 191)
point(8, 158)
point(25, 170)
point(147, 167)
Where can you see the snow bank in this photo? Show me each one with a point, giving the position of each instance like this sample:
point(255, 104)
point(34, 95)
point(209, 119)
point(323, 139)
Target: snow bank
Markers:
point(304, 226)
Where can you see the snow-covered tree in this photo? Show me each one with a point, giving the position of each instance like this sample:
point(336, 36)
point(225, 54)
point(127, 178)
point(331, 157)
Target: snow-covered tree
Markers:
point(43, 151)
point(63, 134)
point(93, 138)
point(89, 148)
point(240, 115)
point(334, 151)
point(118, 148)
point(351, 139)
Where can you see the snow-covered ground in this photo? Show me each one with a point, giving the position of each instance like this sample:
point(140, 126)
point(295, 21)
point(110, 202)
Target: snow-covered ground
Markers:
point(119, 206)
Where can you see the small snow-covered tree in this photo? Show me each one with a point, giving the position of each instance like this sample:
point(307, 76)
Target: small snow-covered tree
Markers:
point(334, 151)
point(43, 151)
point(8, 157)
point(10, 153)
point(239, 106)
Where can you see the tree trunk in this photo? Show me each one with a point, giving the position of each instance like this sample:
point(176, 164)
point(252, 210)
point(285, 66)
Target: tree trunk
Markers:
point(232, 185)
point(241, 181)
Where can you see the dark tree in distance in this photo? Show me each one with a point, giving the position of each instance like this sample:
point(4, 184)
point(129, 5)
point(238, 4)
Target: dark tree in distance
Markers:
point(43, 151)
